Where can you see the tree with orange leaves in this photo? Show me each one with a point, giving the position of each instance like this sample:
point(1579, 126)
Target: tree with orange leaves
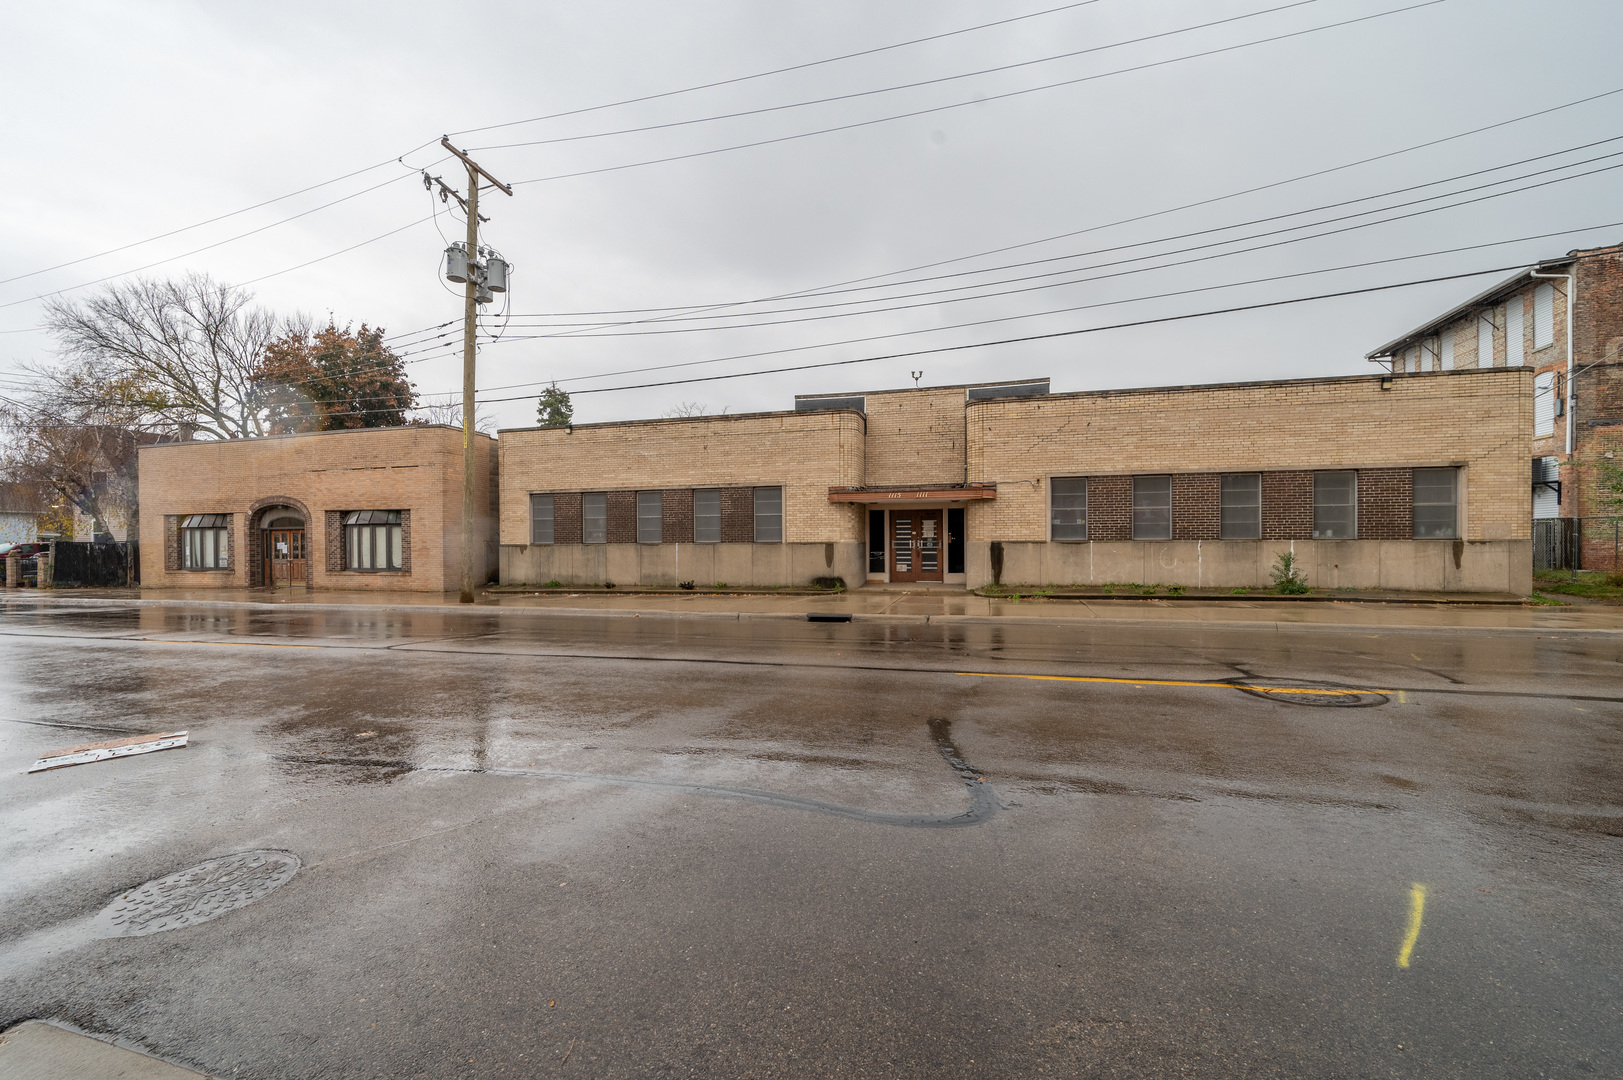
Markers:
point(332, 379)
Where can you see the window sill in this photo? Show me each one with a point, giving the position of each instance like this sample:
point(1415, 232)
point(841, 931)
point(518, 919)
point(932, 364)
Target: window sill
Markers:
point(355, 570)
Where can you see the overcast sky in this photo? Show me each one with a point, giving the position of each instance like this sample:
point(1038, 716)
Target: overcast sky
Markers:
point(124, 120)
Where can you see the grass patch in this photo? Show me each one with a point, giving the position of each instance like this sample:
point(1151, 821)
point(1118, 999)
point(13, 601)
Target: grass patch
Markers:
point(1590, 584)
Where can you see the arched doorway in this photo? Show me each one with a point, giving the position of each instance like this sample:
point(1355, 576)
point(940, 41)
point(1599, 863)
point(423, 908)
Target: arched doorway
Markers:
point(285, 547)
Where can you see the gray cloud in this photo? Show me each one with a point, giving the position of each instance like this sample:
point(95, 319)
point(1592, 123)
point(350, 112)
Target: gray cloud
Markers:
point(127, 121)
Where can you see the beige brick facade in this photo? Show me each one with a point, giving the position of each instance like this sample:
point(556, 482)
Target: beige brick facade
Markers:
point(911, 448)
point(319, 477)
point(803, 453)
point(916, 437)
point(1475, 419)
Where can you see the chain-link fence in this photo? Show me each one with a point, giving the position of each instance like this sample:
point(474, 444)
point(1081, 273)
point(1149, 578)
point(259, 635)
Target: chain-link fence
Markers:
point(1589, 543)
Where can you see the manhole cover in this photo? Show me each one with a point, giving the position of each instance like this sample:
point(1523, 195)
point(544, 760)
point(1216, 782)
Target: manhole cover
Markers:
point(197, 894)
point(1307, 692)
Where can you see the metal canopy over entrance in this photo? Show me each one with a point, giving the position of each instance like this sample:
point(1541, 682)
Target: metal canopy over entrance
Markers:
point(964, 493)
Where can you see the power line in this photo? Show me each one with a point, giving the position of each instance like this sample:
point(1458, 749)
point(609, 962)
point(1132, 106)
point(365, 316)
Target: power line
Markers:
point(1034, 337)
point(693, 309)
point(209, 247)
point(1104, 250)
point(1068, 310)
point(340, 251)
point(212, 220)
point(775, 71)
point(1053, 311)
point(1040, 337)
point(899, 86)
point(1029, 337)
point(936, 301)
point(974, 101)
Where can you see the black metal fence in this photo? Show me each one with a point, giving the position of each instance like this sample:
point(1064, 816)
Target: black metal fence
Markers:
point(1589, 543)
point(76, 564)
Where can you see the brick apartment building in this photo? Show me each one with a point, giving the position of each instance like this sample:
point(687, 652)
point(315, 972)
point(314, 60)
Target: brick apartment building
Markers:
point(1415, 481)
point(1577, 416)
point(367, 508)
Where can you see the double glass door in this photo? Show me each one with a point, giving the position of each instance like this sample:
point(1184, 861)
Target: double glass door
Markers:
point(915, 545)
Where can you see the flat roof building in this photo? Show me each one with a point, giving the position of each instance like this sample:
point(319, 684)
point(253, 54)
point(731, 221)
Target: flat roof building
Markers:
point(361, 508)
point(1412, 482)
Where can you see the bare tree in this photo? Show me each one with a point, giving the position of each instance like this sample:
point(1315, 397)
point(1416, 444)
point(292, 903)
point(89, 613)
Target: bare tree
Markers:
point(692, 408)
point(449, 413)
point(181, 354)
point(89, 464)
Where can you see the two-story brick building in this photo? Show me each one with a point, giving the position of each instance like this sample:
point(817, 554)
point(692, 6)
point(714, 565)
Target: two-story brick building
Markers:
point(1564, 319)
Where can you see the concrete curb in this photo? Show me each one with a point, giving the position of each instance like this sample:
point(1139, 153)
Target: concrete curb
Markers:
point(1271, 623)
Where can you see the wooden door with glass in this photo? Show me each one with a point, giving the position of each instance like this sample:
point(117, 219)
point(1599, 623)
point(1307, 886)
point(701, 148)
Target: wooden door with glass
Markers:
point(915, 545)
point(284, 555)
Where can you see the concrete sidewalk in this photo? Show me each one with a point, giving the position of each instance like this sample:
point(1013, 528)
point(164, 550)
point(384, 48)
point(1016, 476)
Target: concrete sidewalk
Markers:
point(894, 605)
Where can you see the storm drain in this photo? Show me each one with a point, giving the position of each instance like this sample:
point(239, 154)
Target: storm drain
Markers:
point(197, 894)
point(1305, 692)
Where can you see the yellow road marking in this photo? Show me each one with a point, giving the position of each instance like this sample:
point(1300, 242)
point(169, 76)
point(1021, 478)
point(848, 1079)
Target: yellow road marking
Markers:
point(1417, 904)
point(1171, 682)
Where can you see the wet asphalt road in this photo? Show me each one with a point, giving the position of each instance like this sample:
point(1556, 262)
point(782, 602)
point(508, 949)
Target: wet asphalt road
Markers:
point(565, 846)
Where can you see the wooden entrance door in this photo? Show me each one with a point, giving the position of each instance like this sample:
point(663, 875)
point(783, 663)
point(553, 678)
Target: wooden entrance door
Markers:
point(915, 545)
point(284, 557)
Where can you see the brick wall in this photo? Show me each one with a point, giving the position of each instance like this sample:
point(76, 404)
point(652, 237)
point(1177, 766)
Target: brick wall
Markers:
point(916, 437)
point(1110, 508)
point(805, 453)
point(1477, 418)
point(1386, 504)
point(1196, 507)
point(1287, 505)
point(171, 542)
point(566, 518)
point(335, 540)
point(622, 517)
point(676, 516)
point(737, 515)
point(415, 469)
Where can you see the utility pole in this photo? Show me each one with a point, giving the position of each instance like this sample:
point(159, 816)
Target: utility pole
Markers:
point(476, 283)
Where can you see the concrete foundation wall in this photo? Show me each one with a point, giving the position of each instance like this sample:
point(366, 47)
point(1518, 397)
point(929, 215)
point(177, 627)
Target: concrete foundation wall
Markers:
point(670, 564)
point(1447, 565)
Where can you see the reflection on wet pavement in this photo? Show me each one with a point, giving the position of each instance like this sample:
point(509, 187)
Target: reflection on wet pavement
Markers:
point(691, 833)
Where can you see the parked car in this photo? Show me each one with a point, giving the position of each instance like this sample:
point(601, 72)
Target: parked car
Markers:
point(29, 554)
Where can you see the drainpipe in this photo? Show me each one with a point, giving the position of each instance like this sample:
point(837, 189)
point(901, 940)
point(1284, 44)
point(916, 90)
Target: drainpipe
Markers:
point(1572, 297)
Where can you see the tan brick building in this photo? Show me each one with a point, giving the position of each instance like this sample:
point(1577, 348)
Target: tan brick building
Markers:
point(736, 499)
point(1413, 481)
point(368, 508)
point(1577, 417)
